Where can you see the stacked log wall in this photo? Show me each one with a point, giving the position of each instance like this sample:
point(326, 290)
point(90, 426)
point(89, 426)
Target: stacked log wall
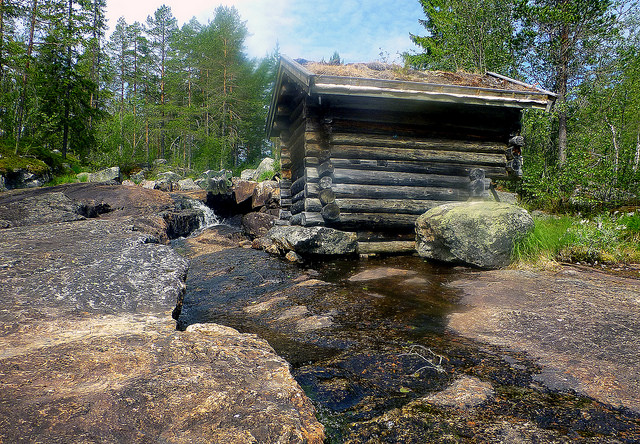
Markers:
point(381, 175)
point(291, 113)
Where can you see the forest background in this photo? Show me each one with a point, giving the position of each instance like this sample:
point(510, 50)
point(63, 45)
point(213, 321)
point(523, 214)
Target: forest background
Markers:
point(70, 94)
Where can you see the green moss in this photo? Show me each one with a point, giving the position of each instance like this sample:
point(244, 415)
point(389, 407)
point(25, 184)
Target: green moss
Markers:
point(10, 162)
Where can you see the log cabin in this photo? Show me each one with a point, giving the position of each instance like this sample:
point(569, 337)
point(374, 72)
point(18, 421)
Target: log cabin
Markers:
point(370, 147)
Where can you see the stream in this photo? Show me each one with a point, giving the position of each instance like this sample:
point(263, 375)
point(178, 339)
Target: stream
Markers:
point(368, 342)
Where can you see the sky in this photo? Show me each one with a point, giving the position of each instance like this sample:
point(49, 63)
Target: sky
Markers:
point(360, 30)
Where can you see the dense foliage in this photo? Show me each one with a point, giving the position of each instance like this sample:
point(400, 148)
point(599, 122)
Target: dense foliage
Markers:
point(585, 155)
point(150, 90)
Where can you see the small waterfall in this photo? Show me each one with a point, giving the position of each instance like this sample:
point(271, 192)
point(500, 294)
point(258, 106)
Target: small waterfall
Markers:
point(209, 218)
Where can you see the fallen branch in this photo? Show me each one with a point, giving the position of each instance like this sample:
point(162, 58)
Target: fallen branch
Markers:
point(428, 356)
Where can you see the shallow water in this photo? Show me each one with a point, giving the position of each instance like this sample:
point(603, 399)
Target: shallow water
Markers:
point(367, 350)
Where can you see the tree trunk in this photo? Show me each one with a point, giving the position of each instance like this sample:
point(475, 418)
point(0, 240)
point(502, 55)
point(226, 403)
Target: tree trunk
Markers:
point(563, 77)
point(67, 94)
point(23, 92)
point(636, 161)
point(1, 39)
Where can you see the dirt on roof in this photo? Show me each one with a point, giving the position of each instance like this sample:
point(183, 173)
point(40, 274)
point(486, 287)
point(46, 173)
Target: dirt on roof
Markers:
point(383, 71)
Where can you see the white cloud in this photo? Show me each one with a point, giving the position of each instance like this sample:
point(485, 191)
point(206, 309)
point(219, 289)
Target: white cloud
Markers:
point(311, 30)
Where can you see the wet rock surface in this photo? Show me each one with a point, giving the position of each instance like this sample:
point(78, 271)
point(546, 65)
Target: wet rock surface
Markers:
point(88, 349)
point(582, 327)
point(376, 353)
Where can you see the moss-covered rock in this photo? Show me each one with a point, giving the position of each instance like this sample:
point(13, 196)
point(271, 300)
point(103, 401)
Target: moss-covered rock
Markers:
point(477, 233)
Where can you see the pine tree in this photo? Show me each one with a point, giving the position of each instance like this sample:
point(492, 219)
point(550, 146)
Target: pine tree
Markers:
point(161, 29)
point(474, 35)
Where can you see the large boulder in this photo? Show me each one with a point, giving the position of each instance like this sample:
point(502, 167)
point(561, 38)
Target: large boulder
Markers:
point(106, 175)
point(187, 185)
point(313, 240)
point(218, 182)
point(243, 189)
point(479, 233)
point(170, 176)
point(265, 167)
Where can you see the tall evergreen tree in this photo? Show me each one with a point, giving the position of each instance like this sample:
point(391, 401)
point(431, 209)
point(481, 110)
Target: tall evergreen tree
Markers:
point(560, 41)
point(161, 28)
point(473, 35)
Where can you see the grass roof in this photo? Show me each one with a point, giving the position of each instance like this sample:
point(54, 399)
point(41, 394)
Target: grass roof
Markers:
point(383, 71)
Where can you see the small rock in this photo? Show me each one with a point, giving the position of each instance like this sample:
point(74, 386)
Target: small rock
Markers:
point(292, 256)
point(294, 312)
point(128, 183)
point(264, 193)
point(170, 176)
point(248, 174)
point(243, 190)
point(266, 166)
point(313, 323)
point(463, 393)
point(106, 175)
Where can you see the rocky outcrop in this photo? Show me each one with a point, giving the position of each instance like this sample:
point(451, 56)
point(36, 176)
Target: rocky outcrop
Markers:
point(307, 241)
point(478, 233)
point(88, 349)
point(23, 178)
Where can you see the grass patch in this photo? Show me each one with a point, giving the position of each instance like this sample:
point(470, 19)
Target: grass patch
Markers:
point(62, 179)
point(604, 239)
point(544, 243)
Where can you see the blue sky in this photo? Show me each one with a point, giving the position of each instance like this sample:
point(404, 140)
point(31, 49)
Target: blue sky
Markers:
point(359, 30)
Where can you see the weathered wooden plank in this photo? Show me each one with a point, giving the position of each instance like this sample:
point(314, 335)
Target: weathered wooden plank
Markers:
point(285, 215)
point(285, 194)
point(396, 206)
point(298, 197)
point(394, 192)
point(386, 236)
point(371, 140)
point(310, 205)
point(412, 154)
point(311, 174)
point(297, 112)
point(307, 219)
point(419, 167)
point(377, 220)
point(449, 123)
point(390, 247)
point(366, 177)
point(297, 185)
point(285, 203)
